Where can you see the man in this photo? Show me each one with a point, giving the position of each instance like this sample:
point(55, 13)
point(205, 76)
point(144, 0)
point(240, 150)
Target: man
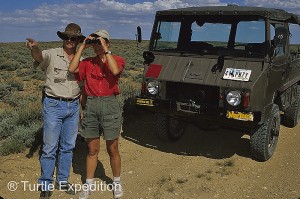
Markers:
point(102, 114)
point(60, 109)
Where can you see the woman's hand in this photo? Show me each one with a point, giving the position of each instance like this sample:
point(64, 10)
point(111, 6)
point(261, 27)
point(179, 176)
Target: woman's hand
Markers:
point(103, 44)
point(84, 44)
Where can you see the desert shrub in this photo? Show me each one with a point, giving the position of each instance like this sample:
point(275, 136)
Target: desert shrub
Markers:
point(8, 64)
point(26, 78)
point(137, 77)
point(4, 76)
point(39, 75)
point(125, 73)
point(18, 127)
point(8, 120)
point(129, 50)
point(40, 87)
point(25, 134)
point(33, 73)
point(22, 138)
point(13, 100)
point(128, 93)
point(20, 101)
point(28, 113)
point(16, 84)
point(5, 90)
point(15, 55)
point(23, 73)
point(11, 145)
point(7, 67)
point(3, 86)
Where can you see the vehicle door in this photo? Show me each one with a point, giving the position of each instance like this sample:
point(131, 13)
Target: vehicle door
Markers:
point(279, 62)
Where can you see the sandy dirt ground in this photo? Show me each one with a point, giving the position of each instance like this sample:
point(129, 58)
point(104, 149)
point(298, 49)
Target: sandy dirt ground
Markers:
point(203, 164)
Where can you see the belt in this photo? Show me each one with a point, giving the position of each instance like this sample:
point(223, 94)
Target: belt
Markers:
point(106, 96)
point(62, 98)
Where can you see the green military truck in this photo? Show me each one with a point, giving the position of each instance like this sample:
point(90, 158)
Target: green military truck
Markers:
point(226, 66)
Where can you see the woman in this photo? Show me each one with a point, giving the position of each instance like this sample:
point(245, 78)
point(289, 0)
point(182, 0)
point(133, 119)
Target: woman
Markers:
point(102, 115)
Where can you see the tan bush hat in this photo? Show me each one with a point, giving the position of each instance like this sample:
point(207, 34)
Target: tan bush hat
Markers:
point(72, 30)
point(102, 33)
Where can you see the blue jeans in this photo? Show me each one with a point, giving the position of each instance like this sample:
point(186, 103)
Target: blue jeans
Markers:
point(60, 130)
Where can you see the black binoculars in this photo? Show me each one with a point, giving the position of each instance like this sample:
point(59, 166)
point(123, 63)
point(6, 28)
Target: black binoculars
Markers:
point(93, 41)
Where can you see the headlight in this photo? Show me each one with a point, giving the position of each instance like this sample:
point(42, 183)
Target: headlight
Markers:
point(234, 98)
point(153, 87)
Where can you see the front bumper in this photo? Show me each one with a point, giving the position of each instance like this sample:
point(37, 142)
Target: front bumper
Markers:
point(200, 112)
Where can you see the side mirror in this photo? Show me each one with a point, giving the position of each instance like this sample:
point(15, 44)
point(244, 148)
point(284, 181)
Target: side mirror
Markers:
point(148, 57)
point(281, 36)
point(139, 34)
point(157, 36)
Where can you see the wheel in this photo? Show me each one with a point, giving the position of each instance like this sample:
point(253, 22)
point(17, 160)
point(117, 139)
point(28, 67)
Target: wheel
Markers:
point(169, 129)
point(291, 116)
point(264, 140)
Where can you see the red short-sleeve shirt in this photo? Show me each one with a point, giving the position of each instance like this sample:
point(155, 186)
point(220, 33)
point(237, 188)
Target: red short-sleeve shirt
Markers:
point(99, 80)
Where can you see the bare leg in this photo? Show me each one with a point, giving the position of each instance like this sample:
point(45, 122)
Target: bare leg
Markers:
point(115, 159)
point(92, 157)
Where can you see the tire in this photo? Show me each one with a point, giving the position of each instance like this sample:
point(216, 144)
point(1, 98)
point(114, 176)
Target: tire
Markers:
point(264, 140)
point(291, 116)
point(168, 129)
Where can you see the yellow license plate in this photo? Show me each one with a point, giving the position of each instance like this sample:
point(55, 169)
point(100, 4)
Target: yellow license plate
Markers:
point(240, 116)
point(144, 102)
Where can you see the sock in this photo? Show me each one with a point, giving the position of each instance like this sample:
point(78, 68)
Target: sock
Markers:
point(117, 179)
point(90, 183)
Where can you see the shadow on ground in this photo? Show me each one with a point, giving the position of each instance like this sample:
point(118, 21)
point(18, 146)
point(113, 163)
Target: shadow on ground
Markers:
point(138, 127)
point(37, 143)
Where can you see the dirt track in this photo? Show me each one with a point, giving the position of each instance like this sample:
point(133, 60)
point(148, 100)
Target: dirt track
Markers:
point(203, 164)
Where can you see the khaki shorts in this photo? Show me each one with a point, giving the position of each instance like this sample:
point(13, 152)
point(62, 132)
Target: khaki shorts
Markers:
point(102, 116)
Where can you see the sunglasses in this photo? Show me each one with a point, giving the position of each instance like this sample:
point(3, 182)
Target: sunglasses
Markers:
point(70, 38)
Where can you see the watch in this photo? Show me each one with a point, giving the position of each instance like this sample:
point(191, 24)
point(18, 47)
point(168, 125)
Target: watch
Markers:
point(108, 52)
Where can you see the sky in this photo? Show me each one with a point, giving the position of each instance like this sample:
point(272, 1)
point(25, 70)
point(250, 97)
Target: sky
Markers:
point(41, 19)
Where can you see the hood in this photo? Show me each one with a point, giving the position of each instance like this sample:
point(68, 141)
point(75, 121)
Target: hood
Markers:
point(198, 70)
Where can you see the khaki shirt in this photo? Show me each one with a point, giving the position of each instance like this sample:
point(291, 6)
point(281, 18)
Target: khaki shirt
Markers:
point(59, 82)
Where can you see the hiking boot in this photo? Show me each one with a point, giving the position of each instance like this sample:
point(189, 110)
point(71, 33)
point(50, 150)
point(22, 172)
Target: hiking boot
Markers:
point(85, 192)
point(45, 194)
point(117, 190)
point(66, 187)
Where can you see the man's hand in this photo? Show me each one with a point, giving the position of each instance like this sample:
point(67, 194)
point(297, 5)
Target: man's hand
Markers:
point(35, 51)
point(31, 43)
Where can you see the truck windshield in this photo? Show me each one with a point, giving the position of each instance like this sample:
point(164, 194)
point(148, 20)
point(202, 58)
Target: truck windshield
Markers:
point(211, 36)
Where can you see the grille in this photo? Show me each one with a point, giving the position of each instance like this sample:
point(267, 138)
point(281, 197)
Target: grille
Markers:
point(200, 94)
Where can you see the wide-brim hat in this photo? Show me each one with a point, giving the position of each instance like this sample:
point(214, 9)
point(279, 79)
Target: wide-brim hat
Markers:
point(72, 30)
point(102, 33)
